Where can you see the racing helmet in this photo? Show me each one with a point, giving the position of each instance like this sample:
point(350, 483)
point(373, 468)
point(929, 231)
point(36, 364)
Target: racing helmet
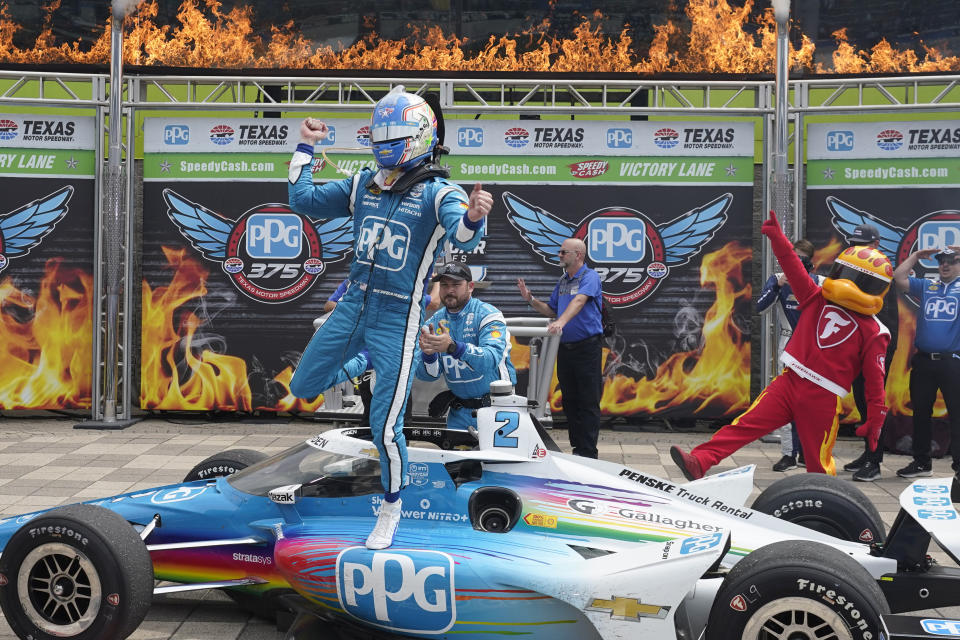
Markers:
point(858, 280)
point(403, 130)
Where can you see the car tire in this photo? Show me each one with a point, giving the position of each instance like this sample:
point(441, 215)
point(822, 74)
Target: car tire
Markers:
point(797, 588)
point(825, 504)
point(78, 572)
point(224, 463)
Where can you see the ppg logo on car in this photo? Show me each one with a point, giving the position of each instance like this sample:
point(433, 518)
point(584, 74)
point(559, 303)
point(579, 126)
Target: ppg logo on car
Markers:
point(619, 138)
point(941, 627)
point(275, 235)
point(612, 239)
point(383, 242)
point(936, 234)
point(840, 141)
point(406, 591)
point(470, 137)
point(176, 134)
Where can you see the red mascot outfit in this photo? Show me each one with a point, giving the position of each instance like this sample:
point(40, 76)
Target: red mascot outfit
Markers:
point(836, 337)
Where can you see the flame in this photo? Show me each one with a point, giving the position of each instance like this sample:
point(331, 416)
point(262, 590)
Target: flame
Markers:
point(720, 39)
point(827, 254)
point(715, 377)
point(213, 380)
point(46, 360)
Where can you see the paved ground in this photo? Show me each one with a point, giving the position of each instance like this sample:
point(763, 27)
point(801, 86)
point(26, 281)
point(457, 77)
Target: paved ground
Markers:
point(46, 462)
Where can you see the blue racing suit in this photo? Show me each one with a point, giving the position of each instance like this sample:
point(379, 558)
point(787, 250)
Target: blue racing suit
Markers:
point(482, 355)
point(397, 237)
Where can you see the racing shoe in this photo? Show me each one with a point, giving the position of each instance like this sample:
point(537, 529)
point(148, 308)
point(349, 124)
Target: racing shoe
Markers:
point(382, 535)
point(869, 472)
point(915, 470)
point(785, 464)
point(855, 465)
point(689, 465)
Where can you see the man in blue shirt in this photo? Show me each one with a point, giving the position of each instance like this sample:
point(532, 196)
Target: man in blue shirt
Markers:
point(467, 343)
point(936, 364)
point(576, 304)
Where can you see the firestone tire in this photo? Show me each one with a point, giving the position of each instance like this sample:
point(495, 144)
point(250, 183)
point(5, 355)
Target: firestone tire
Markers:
point(797, 589)
point(224, 464)
point(825, 504)
point(78, 572)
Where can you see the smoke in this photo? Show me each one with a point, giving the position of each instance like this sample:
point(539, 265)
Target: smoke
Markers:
point(121, 8)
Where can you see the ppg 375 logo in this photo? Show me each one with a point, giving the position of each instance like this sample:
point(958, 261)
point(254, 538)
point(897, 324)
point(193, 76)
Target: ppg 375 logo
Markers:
point(630, 253)
point(270, 253)
point(407, 591)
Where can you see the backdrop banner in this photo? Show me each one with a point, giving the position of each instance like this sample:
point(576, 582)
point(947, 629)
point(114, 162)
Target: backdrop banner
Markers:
point(46, 261)
point(903, 178)
point(665, 210)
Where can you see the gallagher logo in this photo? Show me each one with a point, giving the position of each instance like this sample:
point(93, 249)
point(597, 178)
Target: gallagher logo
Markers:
point(666, 138)
point(589, 168)
point(889, 139)
point(222, 134)
point(363, 136)
point(933, 230)
point(23, 228)
point(630, 253)
point(8, 129)
point(270, 253)
point(516, 137)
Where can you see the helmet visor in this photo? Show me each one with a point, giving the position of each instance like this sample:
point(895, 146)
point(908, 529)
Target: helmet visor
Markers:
point(393, 131)
point(869, 283)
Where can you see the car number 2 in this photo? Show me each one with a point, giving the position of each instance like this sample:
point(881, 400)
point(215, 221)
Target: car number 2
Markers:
point(509, 422)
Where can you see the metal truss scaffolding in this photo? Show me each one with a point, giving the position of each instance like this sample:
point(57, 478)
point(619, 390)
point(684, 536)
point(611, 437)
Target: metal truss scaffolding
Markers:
point(522, 97)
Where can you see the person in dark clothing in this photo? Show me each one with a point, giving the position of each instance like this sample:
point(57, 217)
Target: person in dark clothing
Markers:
point(866, 468)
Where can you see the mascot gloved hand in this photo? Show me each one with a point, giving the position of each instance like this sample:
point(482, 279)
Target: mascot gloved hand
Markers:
point(871, 428)
point(771, 225)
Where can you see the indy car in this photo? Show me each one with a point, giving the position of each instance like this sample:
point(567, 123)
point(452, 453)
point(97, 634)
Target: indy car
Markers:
point(502, 534)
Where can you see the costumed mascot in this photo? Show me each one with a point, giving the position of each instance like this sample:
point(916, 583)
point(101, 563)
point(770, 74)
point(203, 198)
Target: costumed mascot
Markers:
point(836, 337)
point(403, 211)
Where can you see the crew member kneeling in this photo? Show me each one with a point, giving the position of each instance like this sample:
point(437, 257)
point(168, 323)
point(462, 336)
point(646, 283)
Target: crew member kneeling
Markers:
point(467, 343)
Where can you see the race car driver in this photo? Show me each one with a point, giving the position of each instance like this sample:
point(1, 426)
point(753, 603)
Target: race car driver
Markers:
point(403, 211)
point(836, 337)
point(467, 343)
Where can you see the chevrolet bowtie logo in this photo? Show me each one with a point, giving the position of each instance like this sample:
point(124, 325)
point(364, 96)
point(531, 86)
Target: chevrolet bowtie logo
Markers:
point(628, 608)
point(373, 453)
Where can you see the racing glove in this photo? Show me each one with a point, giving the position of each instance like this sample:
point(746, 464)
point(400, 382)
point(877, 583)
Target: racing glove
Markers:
point(871, 428)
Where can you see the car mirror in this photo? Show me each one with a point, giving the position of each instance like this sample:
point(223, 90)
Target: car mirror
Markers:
point(287, 494)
